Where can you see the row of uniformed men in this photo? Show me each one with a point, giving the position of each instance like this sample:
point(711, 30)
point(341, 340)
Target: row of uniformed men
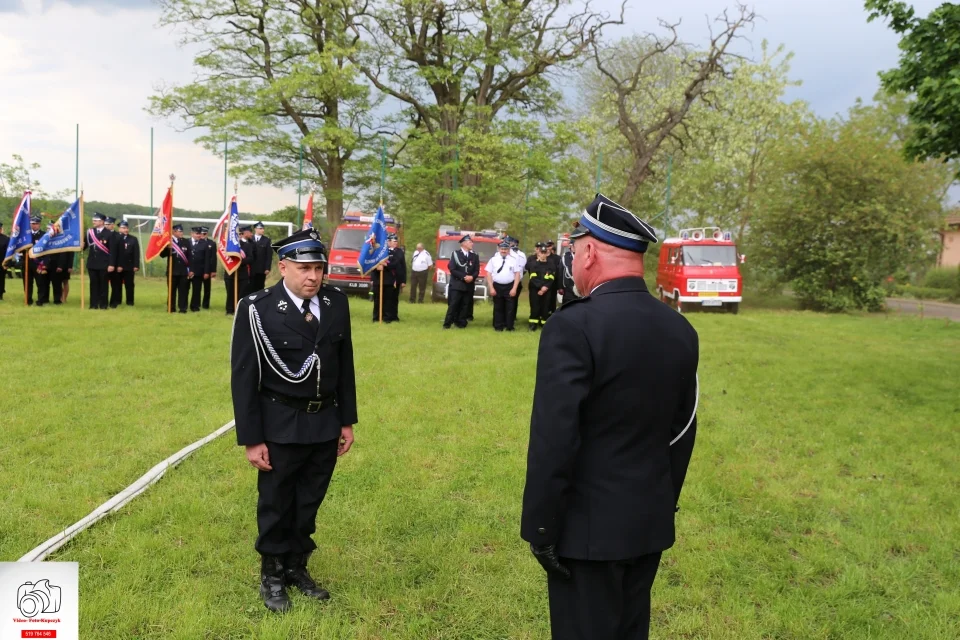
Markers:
point(549, 274)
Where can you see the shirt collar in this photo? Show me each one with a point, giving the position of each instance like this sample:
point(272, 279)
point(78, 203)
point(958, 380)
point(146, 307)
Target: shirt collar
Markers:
point(297, 300)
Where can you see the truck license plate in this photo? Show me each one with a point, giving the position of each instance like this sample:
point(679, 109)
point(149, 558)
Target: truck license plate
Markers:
point(712, 303)
point(352, 285)
point(709, 294)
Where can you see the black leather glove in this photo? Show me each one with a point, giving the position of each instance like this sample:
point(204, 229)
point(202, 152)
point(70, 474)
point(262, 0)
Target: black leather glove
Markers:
point(548, 559)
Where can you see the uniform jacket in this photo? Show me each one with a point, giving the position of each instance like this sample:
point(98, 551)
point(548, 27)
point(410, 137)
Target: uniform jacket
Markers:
point(566, 271)
point(180, 268)
point(4, 243)
point(199, 260)
point(248, 251)
point(260, 419)
point(264, 259)
point(211, 256)
point(554, 261)
point(616, 384)
point(96, 257)
point(394, 271)
point(542, 274)
point(128, 252)
point(39, 265)
point(61, 261)
point(461, 267)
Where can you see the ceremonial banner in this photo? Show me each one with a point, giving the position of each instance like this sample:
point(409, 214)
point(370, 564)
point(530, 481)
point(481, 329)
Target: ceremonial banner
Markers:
point(21, 237)
point(227, 238)
point(64, 236)
point(162, 229)
point(374, 249)
point(308, 215)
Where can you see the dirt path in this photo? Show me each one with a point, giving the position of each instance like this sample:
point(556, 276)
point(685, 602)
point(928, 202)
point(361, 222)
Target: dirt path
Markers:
point(931, 308)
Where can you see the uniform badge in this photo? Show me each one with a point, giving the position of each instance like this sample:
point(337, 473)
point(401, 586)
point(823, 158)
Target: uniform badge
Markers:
point(326, 301)
point(282, 306)
point(253, 297)
point(308, 317)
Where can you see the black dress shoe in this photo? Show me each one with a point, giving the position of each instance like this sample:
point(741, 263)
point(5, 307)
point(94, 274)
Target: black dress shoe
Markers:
point(295, 574)
point(272, 589)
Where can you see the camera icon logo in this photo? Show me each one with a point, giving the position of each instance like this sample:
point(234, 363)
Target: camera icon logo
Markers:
point(34, 598)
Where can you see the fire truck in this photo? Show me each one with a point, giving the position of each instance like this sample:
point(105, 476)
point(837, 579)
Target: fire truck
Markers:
point(700, 268)
point(448, 240)
point(348, 237)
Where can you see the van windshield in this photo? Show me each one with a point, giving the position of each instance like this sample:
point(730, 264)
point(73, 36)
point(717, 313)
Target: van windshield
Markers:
point(484, 250)
point(349, 239)
point(694, 256)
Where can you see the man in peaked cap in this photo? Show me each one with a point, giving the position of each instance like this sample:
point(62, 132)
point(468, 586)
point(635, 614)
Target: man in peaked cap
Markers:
point(464, 267)
point(263, 262)
point(99, 264)
point(503, 274)
point(295, 404)
point(36, 273)
point(393, 270)
point(114, 278)
point(178, 251)
point(199, 263)
point(127, 262)
point(211, 266)
point(611, 434)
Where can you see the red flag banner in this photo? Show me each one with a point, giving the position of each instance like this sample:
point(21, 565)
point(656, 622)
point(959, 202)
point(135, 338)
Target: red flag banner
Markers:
point(225, 235)
point(162, 229)
point(308, 214)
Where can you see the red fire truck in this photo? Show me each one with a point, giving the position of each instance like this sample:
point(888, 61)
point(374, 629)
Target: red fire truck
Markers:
point(700, 268)
point(348, 237)
point(448, 240)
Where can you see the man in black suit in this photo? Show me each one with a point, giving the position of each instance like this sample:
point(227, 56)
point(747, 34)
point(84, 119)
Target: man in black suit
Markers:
point(393, 270)
point(293, 417)
point(464, 267)
point(611, 434)
point(4, 243)
point(127, 262)
point(114, 277)
point(179, 252)
point(39, 275)
point(99, 260)
point(211, 266)
point(264, 259)
point(199, 261)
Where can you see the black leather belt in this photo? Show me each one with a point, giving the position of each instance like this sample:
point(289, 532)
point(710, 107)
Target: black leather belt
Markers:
point(310, 405)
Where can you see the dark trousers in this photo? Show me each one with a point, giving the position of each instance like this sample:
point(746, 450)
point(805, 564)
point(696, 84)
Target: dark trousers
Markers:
point(456, 301)
point(504, 307)
point(258, 281)
point(43, 288)
point(539, 307)
point(552, 303)
point(30, 282)
point(519, 292)
point(418, 282)
point(206, 292)
point(468, 304)
point(3, 281)
point(290, 495)
point(179, 293)
point(127, 277)
point(196, 291)
point(391, 302)
point(243, 286)
point(98, 288)
point(116, 289)
point(56, 283)
point(603, 600)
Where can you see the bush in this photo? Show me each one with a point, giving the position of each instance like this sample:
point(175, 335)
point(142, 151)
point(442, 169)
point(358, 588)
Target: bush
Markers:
point(926, 293)
point(943, 278)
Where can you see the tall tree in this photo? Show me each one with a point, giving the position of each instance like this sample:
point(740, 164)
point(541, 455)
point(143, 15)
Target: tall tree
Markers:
point(646, 118)
point(273, 74)
point(450, 62)
point(929, 59)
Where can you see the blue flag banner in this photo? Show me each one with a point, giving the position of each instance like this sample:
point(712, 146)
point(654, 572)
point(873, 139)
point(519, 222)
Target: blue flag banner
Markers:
point(374, 249)
point(63, 236)
point(21, 238)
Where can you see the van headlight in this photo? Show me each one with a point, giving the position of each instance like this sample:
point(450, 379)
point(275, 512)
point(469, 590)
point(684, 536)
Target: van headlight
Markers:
point(691, 285)
point(336, 269)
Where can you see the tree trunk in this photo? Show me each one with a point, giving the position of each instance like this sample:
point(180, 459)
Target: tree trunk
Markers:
point(333, 191)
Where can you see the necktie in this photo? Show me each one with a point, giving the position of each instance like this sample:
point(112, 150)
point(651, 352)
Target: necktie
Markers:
point(309, 317)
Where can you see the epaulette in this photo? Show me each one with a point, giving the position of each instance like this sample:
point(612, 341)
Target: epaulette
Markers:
point(260, 295)
point(330, 287)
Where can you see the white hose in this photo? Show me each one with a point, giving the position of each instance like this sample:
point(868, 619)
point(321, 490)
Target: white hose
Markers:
point(122, 498)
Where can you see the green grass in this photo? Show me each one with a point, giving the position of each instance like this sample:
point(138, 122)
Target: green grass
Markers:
point(822, 499)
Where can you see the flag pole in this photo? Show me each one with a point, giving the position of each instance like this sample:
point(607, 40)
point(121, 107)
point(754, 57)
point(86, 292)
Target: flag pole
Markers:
point(76, 165)
point(236, 274)
point(383, 170)
point(82, 305)
point(170, 254)
point(26, 276)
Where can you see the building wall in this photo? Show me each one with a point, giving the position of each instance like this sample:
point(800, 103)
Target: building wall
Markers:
point(950, 249)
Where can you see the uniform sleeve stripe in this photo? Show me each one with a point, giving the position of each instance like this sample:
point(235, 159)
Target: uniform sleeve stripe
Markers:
point(692, 416)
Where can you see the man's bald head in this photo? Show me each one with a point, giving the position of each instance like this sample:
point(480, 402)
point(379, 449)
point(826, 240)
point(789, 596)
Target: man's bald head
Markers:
point(596, 262)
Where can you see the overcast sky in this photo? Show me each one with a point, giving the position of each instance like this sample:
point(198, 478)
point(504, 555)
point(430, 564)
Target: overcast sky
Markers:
point(94, 62)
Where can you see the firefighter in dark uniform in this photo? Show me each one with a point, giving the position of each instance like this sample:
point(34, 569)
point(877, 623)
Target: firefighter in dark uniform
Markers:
point(114, 277)
point(32, 275)
point(179, 252)
point(99, 263)
point(4, 243)
point(464, 267)
point(611, 434)
point(244, 271)
point(295, 404)
point(211, 266)
point(554, 259)
point(199, 262)
point(542, 278)
point(264, 260)
point(127, 262)
point(393, 270)
point(568, 287)
point(41, 265)
point(61, 266)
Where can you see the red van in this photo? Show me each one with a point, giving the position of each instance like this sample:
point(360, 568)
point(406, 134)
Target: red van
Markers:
point(701, 267)
point(344, 256)
point(448, 240)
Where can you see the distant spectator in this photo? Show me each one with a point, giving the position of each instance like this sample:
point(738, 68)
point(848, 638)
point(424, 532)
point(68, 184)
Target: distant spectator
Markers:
point(421, 267)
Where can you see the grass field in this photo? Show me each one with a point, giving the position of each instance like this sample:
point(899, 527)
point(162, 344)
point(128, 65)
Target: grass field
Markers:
point(823, 499)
